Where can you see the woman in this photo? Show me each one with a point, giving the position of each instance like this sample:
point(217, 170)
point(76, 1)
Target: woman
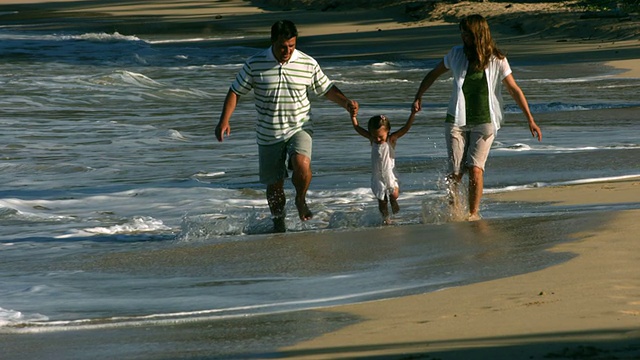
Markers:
point(474, 114)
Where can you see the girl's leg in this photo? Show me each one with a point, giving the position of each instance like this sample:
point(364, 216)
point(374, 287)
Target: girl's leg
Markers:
point(384, 210)
point(393, 199)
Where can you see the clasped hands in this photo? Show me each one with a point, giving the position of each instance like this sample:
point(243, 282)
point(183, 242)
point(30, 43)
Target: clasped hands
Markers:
point(352, 107)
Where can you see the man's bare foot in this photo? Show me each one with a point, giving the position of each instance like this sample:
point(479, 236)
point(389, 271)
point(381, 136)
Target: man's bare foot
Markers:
point(279, 225)
point(303, 210)
point(394, 206)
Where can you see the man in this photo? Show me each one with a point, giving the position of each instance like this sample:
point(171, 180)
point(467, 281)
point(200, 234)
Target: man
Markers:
point(281, 78)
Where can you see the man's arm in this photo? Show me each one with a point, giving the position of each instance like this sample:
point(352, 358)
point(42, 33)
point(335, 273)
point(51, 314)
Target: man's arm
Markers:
point(334, 94)
point(230, 103)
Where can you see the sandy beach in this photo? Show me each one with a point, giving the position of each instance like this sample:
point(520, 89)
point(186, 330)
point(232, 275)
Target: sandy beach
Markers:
point(588, 307)
point(585, 308)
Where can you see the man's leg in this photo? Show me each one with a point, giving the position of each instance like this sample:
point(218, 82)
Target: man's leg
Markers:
point(301, 180)
point(273, 173)
point(277, 201)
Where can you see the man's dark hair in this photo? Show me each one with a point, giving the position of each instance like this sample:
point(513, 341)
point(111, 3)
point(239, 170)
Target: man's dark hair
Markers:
point(284, 28)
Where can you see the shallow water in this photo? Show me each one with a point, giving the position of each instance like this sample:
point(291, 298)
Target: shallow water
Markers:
point(118, 206)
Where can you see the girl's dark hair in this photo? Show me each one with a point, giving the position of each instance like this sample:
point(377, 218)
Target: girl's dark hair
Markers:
point(377, 122)
point(283, 28)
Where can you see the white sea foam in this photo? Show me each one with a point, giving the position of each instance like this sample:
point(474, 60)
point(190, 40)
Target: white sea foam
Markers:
point(97, 37)
point(559, 183)
point(123, 77)
point(568, 80)
point(11, 318)
point(176, 135)
point(194, 40)
point(101, 37)
point(137, 225)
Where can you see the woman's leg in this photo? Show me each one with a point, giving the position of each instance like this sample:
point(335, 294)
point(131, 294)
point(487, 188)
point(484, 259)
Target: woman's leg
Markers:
point(480, 140)
point(476, 185)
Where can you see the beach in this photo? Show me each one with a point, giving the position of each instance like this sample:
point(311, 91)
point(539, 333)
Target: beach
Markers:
point(584, 308)
point(586, 304)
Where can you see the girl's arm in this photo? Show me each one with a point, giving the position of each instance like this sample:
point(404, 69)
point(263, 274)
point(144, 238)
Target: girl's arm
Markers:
point(362, 131)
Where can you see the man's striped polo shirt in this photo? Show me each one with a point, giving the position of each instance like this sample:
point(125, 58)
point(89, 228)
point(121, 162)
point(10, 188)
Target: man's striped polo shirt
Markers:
point(281, 93)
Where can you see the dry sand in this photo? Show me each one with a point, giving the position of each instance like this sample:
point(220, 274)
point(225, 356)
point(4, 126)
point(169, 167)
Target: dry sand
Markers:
point(590, 305)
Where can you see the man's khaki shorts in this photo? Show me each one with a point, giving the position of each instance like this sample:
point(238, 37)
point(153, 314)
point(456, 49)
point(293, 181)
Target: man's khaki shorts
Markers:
point(273, 158)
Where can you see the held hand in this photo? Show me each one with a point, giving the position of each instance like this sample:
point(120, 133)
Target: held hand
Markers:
point(221, 130)
point(352, 107)
point(417, 105)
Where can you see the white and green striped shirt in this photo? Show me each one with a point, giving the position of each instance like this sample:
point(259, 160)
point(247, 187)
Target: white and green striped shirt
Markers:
point(281, 93)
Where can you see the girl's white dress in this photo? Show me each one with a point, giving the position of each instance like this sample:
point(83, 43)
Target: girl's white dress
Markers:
point(383, 164)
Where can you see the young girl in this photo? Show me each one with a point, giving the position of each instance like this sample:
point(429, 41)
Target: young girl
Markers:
point(384, 181)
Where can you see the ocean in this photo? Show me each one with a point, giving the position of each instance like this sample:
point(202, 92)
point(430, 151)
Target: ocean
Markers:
point(120, 213)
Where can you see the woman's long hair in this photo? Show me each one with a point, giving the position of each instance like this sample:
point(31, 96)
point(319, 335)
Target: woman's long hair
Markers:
point(482, 46)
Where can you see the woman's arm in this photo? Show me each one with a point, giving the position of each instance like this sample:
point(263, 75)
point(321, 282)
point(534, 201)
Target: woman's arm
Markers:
point(426, 83)
point(517, 95)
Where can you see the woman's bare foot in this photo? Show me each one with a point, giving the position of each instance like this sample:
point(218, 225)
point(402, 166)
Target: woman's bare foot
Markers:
point(474, 217)
point(303, 210)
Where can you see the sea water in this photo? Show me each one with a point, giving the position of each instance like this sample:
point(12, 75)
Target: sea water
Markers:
point(118, 207)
